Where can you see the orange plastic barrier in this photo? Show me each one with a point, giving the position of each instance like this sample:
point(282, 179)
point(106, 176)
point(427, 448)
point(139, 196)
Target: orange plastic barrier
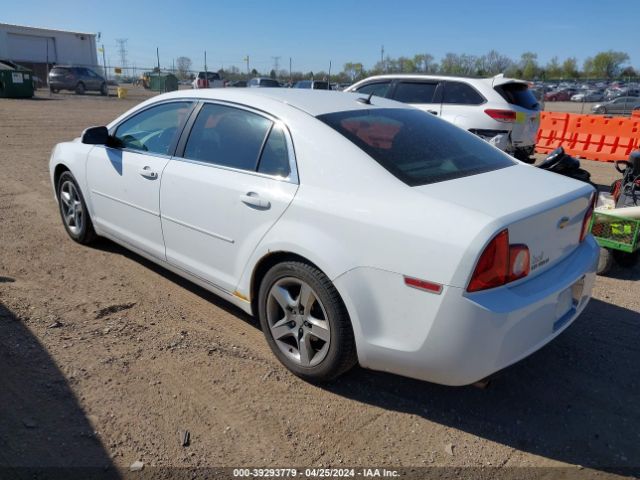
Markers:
point(593, 137)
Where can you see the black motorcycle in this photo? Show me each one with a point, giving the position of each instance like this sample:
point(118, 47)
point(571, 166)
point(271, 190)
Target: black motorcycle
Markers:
point(560, 162)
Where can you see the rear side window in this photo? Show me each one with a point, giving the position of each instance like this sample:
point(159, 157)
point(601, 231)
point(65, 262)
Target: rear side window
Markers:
point(415, 92)
point(60, 71)
point(227, 136)
point(275, 157)
point(415, 146)
point(518, 94)
point(459, 93)
point(379, 89)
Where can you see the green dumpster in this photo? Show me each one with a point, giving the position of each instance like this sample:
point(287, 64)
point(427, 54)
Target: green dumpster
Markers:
point(163, 82)
point(15, 80)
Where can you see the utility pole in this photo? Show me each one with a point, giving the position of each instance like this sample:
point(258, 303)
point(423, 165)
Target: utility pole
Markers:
point(122, 50)
point(329, 79)
point(247, 60)
point(290, 72)
point(104, 64)
point(158, 57)
point(384, 67)
point(205, 63)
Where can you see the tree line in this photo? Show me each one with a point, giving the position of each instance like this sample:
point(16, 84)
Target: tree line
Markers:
point(603, 65)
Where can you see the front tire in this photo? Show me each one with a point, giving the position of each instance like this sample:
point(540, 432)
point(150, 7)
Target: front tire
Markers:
point(80, 89)
point(104, 90)
point(73, 210)
point(305, 322)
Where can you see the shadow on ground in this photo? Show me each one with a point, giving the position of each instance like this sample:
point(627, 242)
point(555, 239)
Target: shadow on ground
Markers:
point(575, 401)
point(44, 433)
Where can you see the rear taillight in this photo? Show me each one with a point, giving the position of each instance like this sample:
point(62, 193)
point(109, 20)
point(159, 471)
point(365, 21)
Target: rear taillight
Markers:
point(500, 263)
point(586, 222)
point(492, 270)
point(501, 115)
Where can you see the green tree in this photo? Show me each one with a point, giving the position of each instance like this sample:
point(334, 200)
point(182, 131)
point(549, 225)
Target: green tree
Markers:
point(570, 68)
point(609, 64)
point(354, 70)
point(529, 65)
point(553, 69)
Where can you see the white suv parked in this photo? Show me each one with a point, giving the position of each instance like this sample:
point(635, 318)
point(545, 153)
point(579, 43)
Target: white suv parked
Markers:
point(500, 110)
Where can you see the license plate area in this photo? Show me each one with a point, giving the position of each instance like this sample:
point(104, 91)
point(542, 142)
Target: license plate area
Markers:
point(568, 302)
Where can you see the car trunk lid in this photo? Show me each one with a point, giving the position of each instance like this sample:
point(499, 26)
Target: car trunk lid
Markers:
point(542, 210)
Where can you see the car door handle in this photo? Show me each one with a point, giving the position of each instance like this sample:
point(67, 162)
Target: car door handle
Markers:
point(253, 199)
point(433, 112)
point(146, 172)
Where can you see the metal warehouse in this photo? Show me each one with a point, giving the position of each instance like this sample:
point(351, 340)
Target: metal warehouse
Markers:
point(34, 47)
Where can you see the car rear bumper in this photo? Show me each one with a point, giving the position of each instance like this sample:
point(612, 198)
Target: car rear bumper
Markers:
point(457, 338)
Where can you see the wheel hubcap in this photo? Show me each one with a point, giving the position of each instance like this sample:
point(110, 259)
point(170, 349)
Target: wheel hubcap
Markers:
point(71, 206)
point(298, 322)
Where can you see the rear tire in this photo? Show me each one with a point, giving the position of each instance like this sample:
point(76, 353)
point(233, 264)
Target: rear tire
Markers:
point(73, 210)
point(627, 260)
point(605, 262)
point(80, 89)
point(104, 90)
point(305, 322)
point(54, 90)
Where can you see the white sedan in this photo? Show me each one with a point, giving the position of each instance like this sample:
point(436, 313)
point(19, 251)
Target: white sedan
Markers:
point(357, 229)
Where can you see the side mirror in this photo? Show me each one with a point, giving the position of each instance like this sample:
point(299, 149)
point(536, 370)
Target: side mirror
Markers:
point(95, 136)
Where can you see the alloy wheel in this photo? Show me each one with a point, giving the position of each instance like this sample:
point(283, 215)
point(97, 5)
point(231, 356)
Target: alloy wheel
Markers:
point(298, 321)
point(72, 210)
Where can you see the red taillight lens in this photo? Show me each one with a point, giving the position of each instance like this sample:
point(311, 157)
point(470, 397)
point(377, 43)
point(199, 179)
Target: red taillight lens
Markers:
point(501, 115)
point(586, 222)
point(519, 262)
point(492, 269)
point(500, 263)
point(423, 285)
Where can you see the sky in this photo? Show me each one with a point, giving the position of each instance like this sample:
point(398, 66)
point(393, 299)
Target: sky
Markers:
point(314, 33)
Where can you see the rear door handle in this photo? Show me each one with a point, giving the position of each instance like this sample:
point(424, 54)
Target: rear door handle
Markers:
point(146, 172)
point(433, 112)
point(253, 199)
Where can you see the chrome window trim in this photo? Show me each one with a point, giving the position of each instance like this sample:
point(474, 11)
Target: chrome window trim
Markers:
point(293, 176)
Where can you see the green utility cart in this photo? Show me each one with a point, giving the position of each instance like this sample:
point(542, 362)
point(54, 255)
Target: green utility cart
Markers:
point(618, 238)
point(15, 81)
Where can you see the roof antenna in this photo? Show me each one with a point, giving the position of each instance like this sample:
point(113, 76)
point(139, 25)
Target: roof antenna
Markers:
point(366, 101)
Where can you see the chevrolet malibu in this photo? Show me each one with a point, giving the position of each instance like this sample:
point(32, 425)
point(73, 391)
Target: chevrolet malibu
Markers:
point(357, 229)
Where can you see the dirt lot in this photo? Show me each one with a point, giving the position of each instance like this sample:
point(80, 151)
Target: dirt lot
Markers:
point(106, 358)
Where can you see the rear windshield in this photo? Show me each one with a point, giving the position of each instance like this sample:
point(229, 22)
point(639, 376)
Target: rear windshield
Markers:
point(518, 94)
point(210, 75)
point(320, 86)
point(415, 146)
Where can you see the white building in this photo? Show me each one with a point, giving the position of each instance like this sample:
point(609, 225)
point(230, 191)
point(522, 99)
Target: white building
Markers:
point(33, 47)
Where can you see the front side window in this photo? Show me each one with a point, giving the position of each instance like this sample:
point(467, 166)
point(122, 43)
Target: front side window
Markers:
point(461, 94)
point(416, 147)
point(227, 136)
point(379, 89)
point(415, 92)
point(153, 130)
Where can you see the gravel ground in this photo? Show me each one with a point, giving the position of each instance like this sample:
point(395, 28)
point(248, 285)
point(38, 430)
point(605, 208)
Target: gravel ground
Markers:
point(107, 358)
